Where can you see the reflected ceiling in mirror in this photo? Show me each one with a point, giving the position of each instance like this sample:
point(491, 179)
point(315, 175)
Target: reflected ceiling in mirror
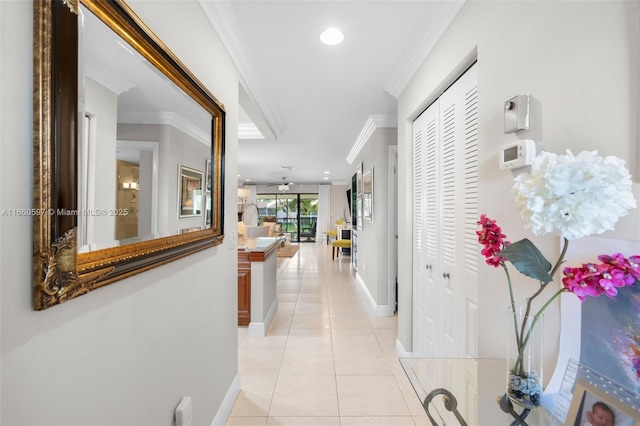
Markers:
point(64, 156)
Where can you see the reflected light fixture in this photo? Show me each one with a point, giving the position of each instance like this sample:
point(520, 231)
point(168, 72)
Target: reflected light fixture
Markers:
point(331, 36)
point(130, 185)
point(243, 197)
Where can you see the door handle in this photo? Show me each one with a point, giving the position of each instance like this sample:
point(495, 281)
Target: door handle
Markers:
point(445, 275)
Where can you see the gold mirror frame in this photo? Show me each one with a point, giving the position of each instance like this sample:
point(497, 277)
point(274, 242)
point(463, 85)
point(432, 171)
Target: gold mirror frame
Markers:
point(60, 273)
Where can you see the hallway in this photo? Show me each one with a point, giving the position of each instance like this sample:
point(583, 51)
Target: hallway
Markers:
point(327, 360)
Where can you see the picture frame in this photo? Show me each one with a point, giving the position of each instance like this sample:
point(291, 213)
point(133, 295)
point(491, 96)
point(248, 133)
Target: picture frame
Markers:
point(354, 200)
point(367, 196)
point(62, 269)
point(190, 185)
point(359, 185)
point(589, 400)
point(359, 213)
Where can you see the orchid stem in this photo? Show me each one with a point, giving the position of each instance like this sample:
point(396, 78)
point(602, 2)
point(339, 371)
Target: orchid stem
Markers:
point(513, 303)
point(520, 359)
point(521, 339)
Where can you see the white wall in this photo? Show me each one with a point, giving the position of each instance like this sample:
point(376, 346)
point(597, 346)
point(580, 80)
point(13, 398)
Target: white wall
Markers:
point(373, 239)
point(339, 203)
point(126, 353)
point(102, 103)
point(579, 62)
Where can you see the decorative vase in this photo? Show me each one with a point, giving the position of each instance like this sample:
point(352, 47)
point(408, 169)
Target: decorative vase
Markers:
point(525, 335)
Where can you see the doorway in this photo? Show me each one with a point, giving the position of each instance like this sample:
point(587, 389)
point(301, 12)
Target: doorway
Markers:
point(297, 214)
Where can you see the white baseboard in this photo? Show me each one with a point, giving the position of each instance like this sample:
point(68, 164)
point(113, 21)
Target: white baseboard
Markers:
point(400, 351)
point(379, 310)
point(223, 413)
point(256, 329)
point(259, 329)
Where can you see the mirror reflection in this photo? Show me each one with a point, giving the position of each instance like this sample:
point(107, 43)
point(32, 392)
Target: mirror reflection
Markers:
point(139, 130)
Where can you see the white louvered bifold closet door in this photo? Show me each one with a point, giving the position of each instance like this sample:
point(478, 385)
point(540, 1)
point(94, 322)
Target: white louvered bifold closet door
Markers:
point(425, 171)
point(444, 223)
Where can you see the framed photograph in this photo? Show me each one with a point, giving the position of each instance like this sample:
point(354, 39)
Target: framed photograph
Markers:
point(190, 183)
point(354, 200)
point(359, 179)
point(367, 195)
point(207, 176)
point(359, 213)
point(593, 406)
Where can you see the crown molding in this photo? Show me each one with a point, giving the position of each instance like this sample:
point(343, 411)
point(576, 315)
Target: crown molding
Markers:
point(373, 123)
point(249, 131)
point(97, 71)
point(435, 22)
point(223, 23)
point(168, 118)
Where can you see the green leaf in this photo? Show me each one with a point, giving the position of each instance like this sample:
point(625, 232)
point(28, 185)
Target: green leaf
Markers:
point(527, 259)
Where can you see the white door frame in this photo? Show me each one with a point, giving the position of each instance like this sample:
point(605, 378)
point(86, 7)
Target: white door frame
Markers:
point(392, 227)
point(151, 146)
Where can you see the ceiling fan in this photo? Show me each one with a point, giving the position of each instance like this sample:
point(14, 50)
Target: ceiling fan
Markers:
point(284, 186)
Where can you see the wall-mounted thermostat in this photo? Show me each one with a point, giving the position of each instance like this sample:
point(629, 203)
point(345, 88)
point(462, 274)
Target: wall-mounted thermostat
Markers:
point(516, 114)
point(517, 154)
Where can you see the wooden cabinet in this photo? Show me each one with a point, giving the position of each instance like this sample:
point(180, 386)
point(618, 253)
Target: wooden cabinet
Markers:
point(257, 301)
point(244, 288)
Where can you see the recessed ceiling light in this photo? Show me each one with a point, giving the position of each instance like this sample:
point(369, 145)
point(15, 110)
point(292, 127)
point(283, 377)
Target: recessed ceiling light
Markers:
point(326, 173)
point(331, 36)
point(247, 180)
point(325, 178)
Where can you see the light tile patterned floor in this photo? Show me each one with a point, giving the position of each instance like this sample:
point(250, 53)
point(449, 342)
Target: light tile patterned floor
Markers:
point(327, 360)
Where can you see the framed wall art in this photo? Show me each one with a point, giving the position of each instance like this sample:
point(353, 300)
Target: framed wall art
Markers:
point(190, 194)
point(367, 195)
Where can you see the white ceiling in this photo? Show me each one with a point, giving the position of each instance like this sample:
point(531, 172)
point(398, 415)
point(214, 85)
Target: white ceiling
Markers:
point(313, 101)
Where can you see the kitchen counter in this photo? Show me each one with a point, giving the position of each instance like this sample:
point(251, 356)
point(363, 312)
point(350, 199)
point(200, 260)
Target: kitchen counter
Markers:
point(257, 301)
point(260, 244)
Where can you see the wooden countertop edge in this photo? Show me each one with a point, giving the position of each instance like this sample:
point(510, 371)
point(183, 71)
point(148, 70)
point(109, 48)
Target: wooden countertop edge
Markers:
point(261, 256)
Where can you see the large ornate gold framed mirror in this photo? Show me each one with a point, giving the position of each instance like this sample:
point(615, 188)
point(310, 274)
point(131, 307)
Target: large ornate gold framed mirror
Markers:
point(109, 144)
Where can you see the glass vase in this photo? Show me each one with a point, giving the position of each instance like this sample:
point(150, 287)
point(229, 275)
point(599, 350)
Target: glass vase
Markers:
point(525, 337)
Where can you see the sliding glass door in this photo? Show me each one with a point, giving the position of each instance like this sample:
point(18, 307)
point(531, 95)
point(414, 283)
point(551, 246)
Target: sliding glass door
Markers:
point(297, 214)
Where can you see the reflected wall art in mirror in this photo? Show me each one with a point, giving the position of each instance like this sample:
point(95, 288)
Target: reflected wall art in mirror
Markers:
point(117, 119)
